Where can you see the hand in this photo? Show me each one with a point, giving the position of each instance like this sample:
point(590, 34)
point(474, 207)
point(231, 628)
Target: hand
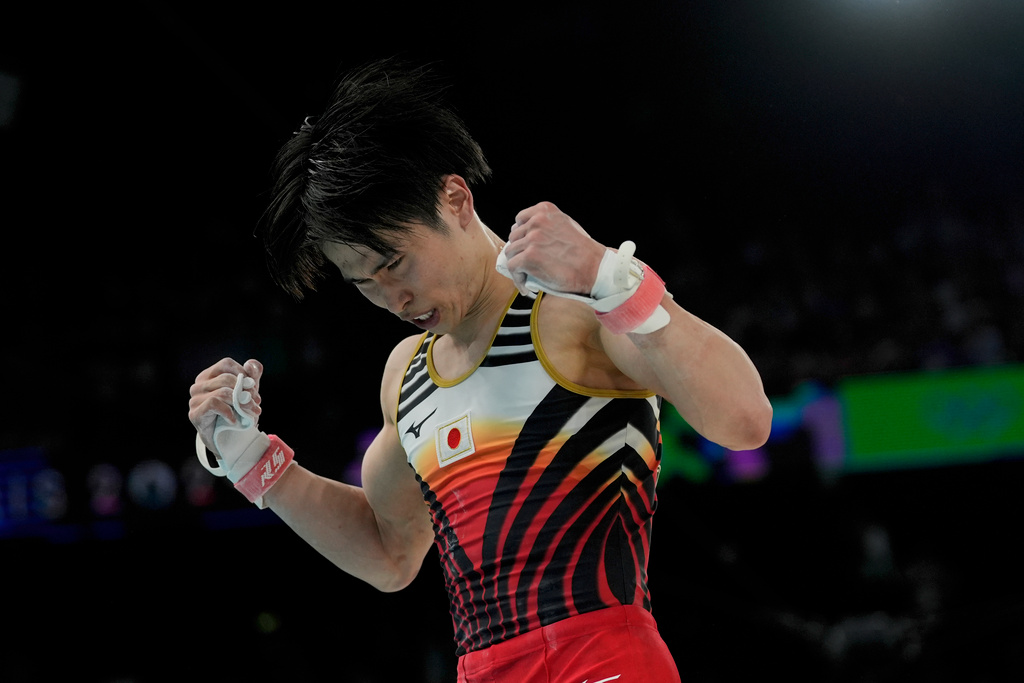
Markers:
point(211, 396)
point(551, 247)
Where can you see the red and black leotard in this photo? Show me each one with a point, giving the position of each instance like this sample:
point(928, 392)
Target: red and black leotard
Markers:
point(541, 491)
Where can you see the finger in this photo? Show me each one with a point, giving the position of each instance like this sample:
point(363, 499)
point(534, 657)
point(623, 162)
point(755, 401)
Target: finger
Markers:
point(541, 208)
point(224, 365)
point(209, 385)
point(253, 368)
point(517, 232)
point(513, 246)
point(520, 281)
point(248, 397)
point(218, 403)
point(525, 215)
point(220, 392)
point(244, 395)
point(241, 394)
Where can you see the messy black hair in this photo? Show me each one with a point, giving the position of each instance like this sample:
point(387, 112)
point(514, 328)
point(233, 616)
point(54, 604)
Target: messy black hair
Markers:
point(366, 169)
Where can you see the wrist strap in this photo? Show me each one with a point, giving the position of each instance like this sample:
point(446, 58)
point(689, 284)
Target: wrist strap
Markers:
point(626, 295)
point(617, 277)
point(258, 480)
point(642, 311)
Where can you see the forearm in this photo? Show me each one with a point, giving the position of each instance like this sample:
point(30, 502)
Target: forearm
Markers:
point(338, 522)
point(707, 377)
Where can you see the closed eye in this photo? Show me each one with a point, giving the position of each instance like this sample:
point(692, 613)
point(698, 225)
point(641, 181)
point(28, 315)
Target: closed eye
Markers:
point(388, 265)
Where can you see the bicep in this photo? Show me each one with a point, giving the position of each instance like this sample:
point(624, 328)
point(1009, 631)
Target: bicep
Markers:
point(630, 360)
point(389, 481)
point(392, 490)
point(706, 376)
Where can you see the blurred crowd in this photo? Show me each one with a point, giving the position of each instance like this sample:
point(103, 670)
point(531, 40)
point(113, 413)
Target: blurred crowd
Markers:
point(937, 287)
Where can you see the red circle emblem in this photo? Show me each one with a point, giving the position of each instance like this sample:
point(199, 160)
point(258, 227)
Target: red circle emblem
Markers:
point(454, 438)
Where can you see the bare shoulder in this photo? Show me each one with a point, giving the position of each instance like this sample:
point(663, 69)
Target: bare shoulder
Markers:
point(394, 370)
point(402, 354)
point(570, 338)
point(387, 479)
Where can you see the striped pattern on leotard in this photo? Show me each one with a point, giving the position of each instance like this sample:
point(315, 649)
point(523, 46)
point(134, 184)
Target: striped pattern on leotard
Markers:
point(541, 492)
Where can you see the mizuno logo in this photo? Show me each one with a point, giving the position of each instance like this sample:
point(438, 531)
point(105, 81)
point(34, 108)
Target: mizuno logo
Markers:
point(605, 680)
point(415, 429)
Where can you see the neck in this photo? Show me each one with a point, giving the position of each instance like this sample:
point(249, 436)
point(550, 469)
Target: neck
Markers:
point(493, 295)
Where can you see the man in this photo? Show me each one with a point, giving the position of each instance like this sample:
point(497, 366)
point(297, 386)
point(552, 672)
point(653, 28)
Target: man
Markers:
point(520, 427)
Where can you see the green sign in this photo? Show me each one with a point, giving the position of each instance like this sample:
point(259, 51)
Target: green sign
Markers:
point(932, 418)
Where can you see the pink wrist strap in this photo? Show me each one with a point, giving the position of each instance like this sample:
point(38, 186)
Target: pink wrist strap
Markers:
point(266, 471)
point(635, 310)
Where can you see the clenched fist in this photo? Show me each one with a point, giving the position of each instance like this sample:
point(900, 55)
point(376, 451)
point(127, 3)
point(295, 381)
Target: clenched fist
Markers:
point(212, 395)
point(547, 245)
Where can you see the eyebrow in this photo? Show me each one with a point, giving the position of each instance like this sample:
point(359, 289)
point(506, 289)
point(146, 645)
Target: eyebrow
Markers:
point(381, 265)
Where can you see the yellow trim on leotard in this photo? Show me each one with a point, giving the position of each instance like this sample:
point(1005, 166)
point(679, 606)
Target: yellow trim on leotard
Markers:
point(561, 379)
point(447, 383)
point(401, 382)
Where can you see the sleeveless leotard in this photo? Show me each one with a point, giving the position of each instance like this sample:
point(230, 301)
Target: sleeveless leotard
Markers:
point(541, 492)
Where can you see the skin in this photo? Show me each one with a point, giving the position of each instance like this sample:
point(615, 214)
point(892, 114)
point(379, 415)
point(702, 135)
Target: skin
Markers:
point(381, 532)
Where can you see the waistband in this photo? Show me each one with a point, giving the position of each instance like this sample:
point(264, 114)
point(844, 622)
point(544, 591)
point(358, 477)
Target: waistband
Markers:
point(558, 632)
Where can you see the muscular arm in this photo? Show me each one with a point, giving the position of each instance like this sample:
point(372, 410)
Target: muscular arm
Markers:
point(706, 375)
point(379, 533)
point(700, 370)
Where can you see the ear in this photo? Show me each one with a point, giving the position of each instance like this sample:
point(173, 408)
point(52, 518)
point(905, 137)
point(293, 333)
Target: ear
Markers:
point(457, 199)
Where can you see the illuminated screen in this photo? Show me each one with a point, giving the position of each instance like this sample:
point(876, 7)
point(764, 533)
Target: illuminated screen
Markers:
point(870, 423)
point(932, 418)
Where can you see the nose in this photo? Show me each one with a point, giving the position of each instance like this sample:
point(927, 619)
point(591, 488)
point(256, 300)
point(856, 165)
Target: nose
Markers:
point(395, 297)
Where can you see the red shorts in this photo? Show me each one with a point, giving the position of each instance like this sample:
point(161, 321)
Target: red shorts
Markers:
point(614, 645)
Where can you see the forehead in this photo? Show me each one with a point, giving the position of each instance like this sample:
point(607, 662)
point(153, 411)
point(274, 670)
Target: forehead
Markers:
point(353, 261)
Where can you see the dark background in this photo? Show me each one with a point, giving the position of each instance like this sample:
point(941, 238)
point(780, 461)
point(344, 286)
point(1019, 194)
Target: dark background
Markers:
point(837, 185)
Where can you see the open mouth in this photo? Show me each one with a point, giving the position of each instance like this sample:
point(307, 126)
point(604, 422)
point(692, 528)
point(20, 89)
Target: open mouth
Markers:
point(428, 319)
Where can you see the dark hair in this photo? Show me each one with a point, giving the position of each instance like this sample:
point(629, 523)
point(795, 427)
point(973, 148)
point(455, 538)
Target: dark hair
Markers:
point(373, 163)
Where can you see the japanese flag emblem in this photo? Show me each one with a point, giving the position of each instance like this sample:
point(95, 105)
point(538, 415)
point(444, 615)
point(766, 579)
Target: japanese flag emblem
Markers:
point(455, 441)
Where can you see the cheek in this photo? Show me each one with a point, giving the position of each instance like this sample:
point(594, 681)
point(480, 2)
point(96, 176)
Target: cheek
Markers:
point(416, 280)
point(373, 295)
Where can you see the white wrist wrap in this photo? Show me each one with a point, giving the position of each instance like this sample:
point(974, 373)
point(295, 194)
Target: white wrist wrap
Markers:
point(250, 459)
point(626, 293)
